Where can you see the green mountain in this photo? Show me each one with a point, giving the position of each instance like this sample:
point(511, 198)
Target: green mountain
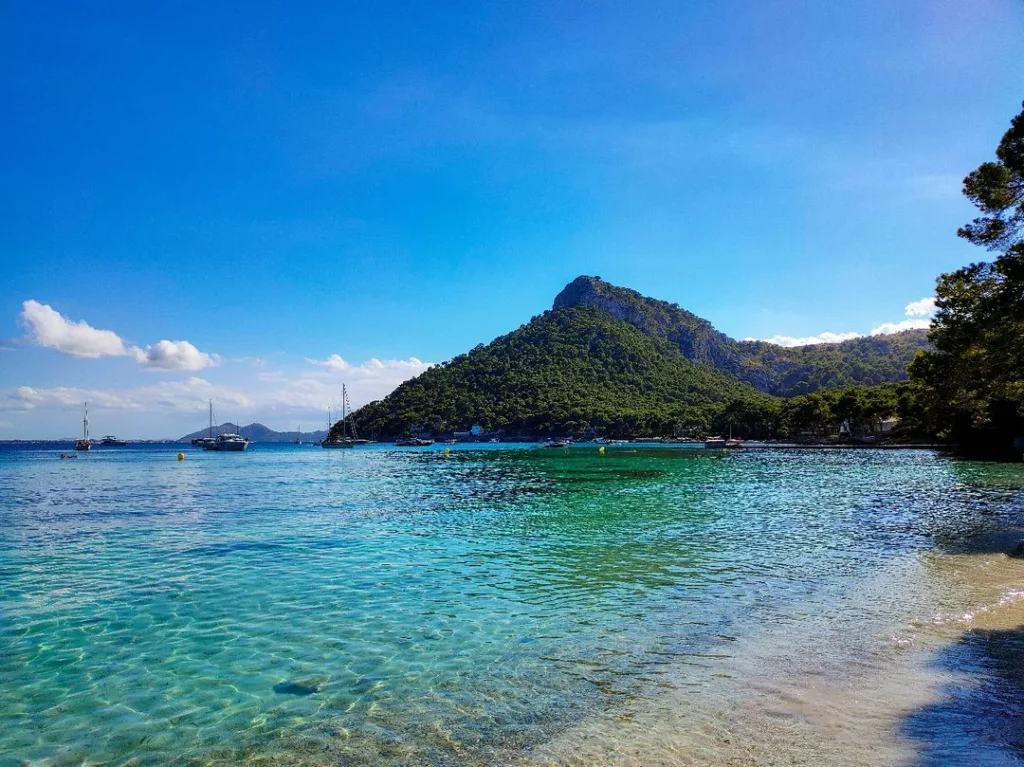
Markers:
point(562, 372)
point(768, 367)
point(609, 358)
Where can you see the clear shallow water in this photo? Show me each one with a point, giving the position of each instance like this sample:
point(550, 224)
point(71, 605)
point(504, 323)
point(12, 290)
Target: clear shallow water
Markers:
point(298, 606)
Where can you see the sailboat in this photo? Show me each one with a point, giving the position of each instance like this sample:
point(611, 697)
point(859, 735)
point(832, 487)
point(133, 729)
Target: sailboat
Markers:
point(209, 439)
point(342, 438)
point(224, 442)
point(84, 443)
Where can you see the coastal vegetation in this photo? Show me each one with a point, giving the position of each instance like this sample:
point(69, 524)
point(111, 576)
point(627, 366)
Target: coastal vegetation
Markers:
point(579, 368)
point(972, 381)
point(768, 367)
point(566, 371)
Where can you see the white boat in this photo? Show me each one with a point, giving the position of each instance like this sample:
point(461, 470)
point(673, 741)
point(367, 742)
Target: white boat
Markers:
point(111, 441)
point(84, 443)
point(225, 442)
point(720, 443)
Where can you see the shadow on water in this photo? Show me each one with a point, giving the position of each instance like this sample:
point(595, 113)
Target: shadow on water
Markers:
point(979, 719)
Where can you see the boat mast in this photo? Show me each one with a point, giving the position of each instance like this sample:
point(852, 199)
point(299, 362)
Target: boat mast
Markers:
point(85, 423)
point(211, 419)
point(344, 400)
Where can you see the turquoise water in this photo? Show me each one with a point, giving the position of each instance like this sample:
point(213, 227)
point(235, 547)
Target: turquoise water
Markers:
point(292, 605)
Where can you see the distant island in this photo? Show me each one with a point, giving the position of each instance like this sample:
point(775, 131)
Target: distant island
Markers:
point(607, 360)
point(257, 432)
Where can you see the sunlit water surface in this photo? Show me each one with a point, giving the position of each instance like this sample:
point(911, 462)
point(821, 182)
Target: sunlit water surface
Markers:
point(292, 605)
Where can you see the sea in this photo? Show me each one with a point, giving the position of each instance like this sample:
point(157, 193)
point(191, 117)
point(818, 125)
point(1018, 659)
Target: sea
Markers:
point(509, 605)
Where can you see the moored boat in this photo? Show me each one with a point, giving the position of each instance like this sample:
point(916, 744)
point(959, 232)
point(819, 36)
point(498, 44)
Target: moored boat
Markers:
point(84, 443)
point(337, 443)
point(111, 441)
point(342, 439)
point(414, 442)
point(721, 443)
point(227, 443)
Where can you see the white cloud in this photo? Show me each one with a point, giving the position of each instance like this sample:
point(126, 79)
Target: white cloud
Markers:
point(821, 338)
point(887, 328)
point(918, 317)
point(924, 307)
point(49, 328)
point(189, 395)
point(373, 368)
point(368, 381)
point(334, 363)
point(175, 355)
point(270, 397)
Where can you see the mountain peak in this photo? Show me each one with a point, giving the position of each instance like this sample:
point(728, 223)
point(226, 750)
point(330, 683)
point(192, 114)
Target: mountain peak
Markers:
point(590, 291)
point(620, 303)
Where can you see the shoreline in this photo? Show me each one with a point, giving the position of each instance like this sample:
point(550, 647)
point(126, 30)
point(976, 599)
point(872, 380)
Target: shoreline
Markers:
point(891, 699)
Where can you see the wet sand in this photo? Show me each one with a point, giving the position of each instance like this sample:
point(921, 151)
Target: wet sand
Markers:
point(923, 665)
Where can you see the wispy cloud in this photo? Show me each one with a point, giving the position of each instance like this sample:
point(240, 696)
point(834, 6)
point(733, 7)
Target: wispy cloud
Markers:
point(301, 393)
point(187, 395)
point(373, 367)
point(918, 317)
point(821, 338)
point(366, 381)
point(49, 328)
point(887, 328)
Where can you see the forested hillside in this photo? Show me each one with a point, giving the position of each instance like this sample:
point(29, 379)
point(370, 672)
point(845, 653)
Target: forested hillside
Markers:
point(608, 359)
point(768, 367)
point(564, 371)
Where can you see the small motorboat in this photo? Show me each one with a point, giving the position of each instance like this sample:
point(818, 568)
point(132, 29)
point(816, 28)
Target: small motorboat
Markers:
point(414, 442)
point(112, 441)
point(721, 443)
point(337, 442)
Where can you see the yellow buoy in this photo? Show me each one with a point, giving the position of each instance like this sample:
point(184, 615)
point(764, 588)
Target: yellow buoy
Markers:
point(447, 451)
point(181, 456)
point(601, 449)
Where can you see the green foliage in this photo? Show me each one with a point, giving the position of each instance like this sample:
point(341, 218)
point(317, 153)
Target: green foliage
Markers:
point(820, 415)
point(772, 369)
point(563, 372)
point(997, 190)
point(857, 362)
point(973, 380)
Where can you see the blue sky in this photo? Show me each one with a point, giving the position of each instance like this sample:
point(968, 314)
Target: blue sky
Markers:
point(278, 183)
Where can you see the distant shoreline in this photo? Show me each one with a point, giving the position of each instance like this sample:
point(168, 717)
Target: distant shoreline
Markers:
point(695, 444)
